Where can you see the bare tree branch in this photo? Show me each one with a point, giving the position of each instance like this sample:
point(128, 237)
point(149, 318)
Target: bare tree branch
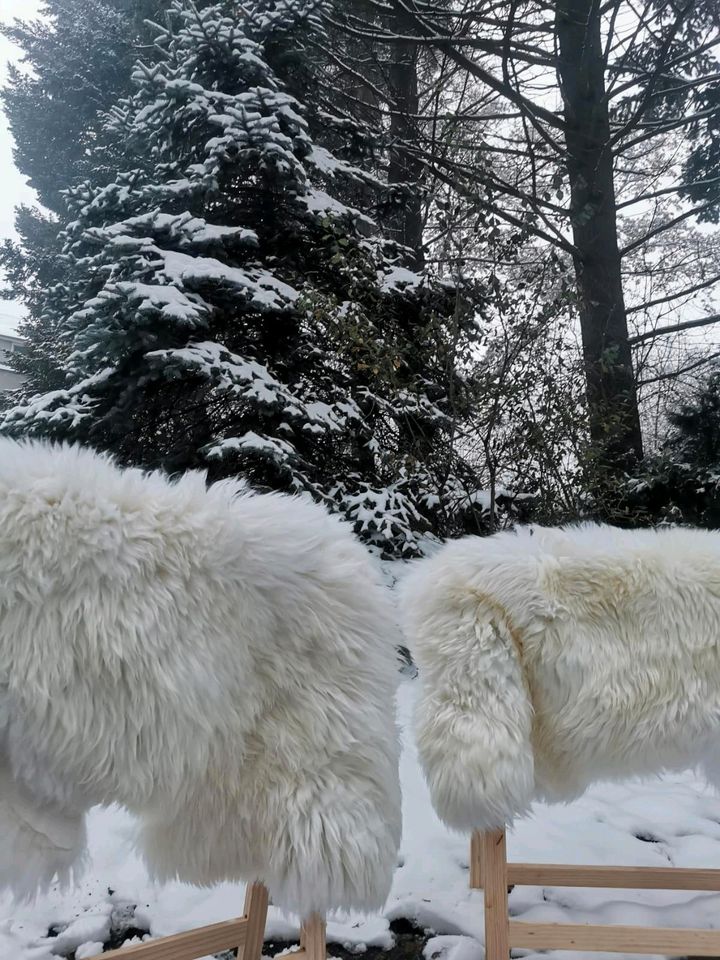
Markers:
point(674, 328)
point(672, 374)
point(685, 292)
point(676, 188)
point(668, 225)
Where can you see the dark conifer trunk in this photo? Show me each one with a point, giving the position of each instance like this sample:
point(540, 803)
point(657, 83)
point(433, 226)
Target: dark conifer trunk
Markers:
point(612, 398)
point(406, 225)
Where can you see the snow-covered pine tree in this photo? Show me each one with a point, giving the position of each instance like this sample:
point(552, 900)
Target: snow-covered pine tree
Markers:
point(77, 61)
point(224, 307)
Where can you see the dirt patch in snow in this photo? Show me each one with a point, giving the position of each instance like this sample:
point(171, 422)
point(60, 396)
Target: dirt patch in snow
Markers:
point(410, 941)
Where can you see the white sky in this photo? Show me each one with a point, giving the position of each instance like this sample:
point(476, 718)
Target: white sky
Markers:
point(13, 188)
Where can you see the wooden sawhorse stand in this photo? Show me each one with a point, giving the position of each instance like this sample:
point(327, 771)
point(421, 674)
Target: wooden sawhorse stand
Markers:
point(246, 935)
point(490, 871)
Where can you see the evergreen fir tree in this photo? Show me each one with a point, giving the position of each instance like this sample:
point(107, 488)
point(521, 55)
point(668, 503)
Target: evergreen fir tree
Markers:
point(681, 484)
point(77, 63)
point(222, 306)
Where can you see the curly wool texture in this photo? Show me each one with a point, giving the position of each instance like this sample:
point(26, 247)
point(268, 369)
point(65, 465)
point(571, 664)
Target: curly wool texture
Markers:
point(220, 663)
point(551, 658)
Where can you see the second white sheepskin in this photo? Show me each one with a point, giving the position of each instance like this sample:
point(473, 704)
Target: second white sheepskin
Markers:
point(551, 658)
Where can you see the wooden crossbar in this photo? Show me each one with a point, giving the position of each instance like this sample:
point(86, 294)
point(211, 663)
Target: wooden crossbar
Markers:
point(245, 934)
point(629, 878)
point(490, 871)
point(591, 937)
point(187, 946)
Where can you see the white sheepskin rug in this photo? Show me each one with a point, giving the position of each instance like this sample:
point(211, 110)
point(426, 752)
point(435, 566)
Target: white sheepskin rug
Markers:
point(550, 658)
point(220, 663)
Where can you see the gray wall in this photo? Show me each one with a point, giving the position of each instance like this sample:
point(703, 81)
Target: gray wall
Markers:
point(8, 378)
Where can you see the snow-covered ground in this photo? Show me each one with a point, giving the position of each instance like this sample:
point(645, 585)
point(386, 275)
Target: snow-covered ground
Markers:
point(673, 821)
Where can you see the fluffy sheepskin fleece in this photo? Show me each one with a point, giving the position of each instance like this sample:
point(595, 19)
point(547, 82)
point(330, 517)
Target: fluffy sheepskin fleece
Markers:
point(220, 663)
point(550, 658)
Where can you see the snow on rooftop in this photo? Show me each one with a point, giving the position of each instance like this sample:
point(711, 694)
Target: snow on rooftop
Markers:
point(11, 314)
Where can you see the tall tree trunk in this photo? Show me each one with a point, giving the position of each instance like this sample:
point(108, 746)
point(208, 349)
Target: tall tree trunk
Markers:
point(418, 436)
point(611, 392)
point(406, 225)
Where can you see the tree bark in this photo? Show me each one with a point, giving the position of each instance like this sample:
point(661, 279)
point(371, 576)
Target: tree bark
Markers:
point(406, 224)
point(611, 392)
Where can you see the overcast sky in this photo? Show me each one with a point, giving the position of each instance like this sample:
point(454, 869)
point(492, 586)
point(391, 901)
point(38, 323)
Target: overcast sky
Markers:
point(13, 189)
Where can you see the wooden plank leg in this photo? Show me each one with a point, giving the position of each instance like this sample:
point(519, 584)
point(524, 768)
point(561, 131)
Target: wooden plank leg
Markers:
point(256, 908)
point(495, 885)
point(476, 854)
point(312, 938)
